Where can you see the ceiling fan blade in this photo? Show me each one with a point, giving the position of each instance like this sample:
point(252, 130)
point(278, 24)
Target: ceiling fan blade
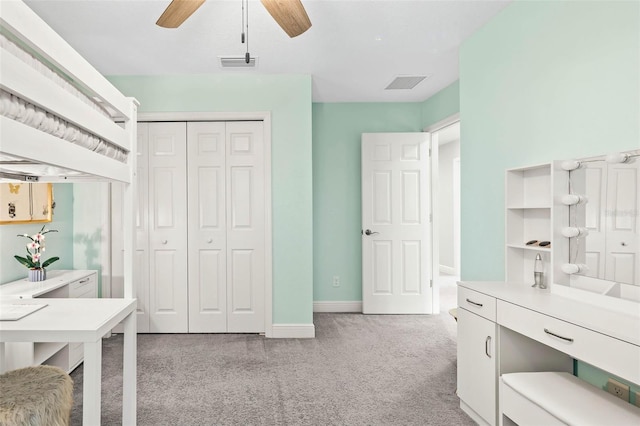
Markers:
point(289, 14)
point(177, 12)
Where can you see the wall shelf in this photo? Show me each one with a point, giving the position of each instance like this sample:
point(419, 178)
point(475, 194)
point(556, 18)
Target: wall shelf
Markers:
point(532, 248)
point(528, 200)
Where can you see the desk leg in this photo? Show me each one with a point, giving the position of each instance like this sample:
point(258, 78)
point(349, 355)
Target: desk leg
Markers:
point(91, 396)
point(129, 371)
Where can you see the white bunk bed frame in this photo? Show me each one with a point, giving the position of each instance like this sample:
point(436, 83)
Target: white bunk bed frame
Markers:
point(34, 147)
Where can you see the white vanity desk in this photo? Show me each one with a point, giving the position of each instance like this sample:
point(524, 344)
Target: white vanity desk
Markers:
point(84, 321)
point(510, 327)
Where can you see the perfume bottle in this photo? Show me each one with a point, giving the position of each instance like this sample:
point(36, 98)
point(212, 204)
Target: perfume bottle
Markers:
point(538, 272)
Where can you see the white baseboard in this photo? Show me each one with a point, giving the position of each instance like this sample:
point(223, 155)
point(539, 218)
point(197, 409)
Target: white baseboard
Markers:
point(447, 270)
point(293, 331)
point(339, 306)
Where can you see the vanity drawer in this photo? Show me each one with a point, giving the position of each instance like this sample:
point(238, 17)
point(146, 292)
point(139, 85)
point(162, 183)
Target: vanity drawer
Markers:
point(478, 303)
point(84, 288)
point(608, 353)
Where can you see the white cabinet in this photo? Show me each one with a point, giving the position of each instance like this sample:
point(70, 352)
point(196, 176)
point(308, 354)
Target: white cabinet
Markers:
point(477, 356)
point(59, 284)
point(528, 200)
point(201, 183)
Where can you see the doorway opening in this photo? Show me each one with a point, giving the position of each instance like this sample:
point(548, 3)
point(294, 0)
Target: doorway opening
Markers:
point(445, 139)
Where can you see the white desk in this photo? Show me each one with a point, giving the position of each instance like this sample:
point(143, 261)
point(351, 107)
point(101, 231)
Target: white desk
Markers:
point(85, 321)
point(512, 327)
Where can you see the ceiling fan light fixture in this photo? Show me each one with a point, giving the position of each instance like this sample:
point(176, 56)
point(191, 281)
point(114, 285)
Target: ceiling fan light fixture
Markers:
point(238, 62)
point(405, 82)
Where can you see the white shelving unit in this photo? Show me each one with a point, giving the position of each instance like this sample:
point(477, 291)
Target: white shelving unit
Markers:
point(528, 200)
point(60, 284)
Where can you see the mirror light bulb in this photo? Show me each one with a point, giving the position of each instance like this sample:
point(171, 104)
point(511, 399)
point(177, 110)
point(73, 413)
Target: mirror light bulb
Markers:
point(571, 199)
point(570, 165)
point(617, 157)
point(572, 232)
point(573, 268)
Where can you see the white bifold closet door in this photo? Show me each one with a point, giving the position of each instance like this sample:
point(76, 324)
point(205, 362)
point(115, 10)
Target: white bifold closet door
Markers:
point(226, 226)
point(168, 311)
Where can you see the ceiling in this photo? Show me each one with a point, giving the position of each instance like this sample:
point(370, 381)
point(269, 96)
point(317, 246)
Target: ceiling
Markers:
point(354, 49)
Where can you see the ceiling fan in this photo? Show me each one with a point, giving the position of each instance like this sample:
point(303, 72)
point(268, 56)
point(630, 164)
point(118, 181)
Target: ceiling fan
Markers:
point(289, 14)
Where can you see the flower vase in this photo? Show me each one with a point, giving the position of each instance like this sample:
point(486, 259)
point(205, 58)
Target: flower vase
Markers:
point(37, 274)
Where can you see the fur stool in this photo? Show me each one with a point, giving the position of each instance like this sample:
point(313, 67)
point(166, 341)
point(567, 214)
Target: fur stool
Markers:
point(36, 396)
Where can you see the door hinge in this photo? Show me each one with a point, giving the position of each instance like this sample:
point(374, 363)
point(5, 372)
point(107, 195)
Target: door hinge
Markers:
point(429, 152)
point(430, 217)
point(431, 283)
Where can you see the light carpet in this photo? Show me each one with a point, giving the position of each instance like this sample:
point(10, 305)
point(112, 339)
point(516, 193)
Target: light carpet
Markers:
point(359, 370)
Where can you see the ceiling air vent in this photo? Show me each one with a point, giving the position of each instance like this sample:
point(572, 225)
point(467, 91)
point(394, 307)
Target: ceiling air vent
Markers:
point(405, 82)
point(237, 62)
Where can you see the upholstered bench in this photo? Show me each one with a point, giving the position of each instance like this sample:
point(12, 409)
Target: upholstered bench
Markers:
point(551, 398)
point(36, 396)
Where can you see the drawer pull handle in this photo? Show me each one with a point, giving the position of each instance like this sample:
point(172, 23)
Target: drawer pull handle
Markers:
point(568, 339)
point(475, 303)
point(486, 346)
point(83, 281)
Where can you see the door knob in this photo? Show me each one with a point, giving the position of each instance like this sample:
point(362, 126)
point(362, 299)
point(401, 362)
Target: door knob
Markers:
point(370, 232)
point(164, 241)
point(210, 240)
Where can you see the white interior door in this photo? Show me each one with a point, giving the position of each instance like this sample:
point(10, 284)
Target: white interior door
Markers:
point(206, 152)
point(167, 228)
point(623, 233)
point(245, 208)
point(396, 240)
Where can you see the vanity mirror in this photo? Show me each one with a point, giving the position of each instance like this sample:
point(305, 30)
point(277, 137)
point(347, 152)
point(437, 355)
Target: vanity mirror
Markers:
point(597, 225)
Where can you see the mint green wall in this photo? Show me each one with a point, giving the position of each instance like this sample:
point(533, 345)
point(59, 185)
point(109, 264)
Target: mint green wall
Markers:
point(58, 243)
point(599, 378)
point(442, 105)
point(541, 81)
point(337, 128)
point(288, 98)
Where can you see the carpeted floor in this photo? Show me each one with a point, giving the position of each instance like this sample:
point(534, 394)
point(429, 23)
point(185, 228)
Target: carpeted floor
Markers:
point(359, 370)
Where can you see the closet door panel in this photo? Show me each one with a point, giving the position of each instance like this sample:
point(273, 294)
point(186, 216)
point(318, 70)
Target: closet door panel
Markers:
point(207, 227)
point(246, 227)
point(167, 228)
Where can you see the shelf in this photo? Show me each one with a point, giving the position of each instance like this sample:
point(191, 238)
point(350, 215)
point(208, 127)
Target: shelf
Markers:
point(526, 247)
point(528, 207)
point(44, 351)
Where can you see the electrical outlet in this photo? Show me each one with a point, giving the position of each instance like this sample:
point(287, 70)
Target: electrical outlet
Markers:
point(637, 398)
point(618, 389)
point(336, 281)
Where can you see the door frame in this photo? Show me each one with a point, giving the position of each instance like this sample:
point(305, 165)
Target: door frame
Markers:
point(433, 129)
point(265, 117)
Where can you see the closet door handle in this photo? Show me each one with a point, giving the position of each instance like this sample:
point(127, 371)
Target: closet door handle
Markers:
point(164, 241)
point(475, 303)
point(487, 341)
point(210, 240)
point(567, 339)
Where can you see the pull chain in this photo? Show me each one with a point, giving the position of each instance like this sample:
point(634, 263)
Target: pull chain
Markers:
point(247, 57)
point(242, 30)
